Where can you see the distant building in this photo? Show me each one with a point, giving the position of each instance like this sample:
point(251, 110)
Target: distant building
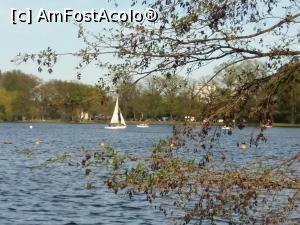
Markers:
point(165, 118)
point(205, 90)
point(189, 118)
point(84, 116)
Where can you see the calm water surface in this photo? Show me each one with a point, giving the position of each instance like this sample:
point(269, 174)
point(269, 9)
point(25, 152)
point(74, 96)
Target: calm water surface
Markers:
point(55, 195)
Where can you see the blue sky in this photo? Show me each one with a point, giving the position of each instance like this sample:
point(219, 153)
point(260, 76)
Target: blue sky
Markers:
point(60, 36)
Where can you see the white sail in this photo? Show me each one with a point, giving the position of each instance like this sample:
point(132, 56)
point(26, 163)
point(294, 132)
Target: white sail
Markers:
point(117, 120)
point(122, 119)
point(115, 117)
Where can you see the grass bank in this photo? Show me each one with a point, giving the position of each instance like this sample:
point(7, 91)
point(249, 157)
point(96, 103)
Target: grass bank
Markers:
point(286, 125)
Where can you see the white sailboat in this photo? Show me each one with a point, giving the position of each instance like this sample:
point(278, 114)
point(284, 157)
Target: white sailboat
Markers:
point(117, 120)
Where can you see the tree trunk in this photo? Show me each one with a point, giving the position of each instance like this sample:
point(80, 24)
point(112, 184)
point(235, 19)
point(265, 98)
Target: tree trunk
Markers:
point(293, 108)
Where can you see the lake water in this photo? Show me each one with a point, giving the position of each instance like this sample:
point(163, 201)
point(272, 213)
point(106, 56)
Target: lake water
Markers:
point(56, 195)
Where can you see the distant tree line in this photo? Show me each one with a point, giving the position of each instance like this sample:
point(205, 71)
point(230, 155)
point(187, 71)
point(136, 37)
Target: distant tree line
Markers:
point(27, 97)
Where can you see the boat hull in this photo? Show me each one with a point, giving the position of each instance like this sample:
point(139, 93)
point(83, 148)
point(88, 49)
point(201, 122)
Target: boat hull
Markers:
point(115, 127)
point(142, 126)
point(226, 128)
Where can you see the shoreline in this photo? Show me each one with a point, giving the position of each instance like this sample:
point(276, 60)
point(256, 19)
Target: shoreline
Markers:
point(286, 125)
point(290, 125)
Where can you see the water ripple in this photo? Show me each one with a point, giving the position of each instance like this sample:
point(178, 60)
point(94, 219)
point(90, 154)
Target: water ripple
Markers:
point(51, 196)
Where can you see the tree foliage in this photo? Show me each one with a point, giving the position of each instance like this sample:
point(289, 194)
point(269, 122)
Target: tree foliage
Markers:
point(190, 34)
point(206, 187)
point(27, 97)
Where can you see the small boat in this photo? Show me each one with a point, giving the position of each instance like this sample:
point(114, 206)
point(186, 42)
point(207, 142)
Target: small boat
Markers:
point(7, 142)
point(266, 124)
point(117, 120)
point(226, 128)
point(143, 125)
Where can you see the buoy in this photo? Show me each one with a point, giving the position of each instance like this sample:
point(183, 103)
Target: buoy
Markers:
point(30, 127)
point(244, 146)
point(37, 142)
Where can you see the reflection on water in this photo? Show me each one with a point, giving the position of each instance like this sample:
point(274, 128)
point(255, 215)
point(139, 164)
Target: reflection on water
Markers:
point(56, 195)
